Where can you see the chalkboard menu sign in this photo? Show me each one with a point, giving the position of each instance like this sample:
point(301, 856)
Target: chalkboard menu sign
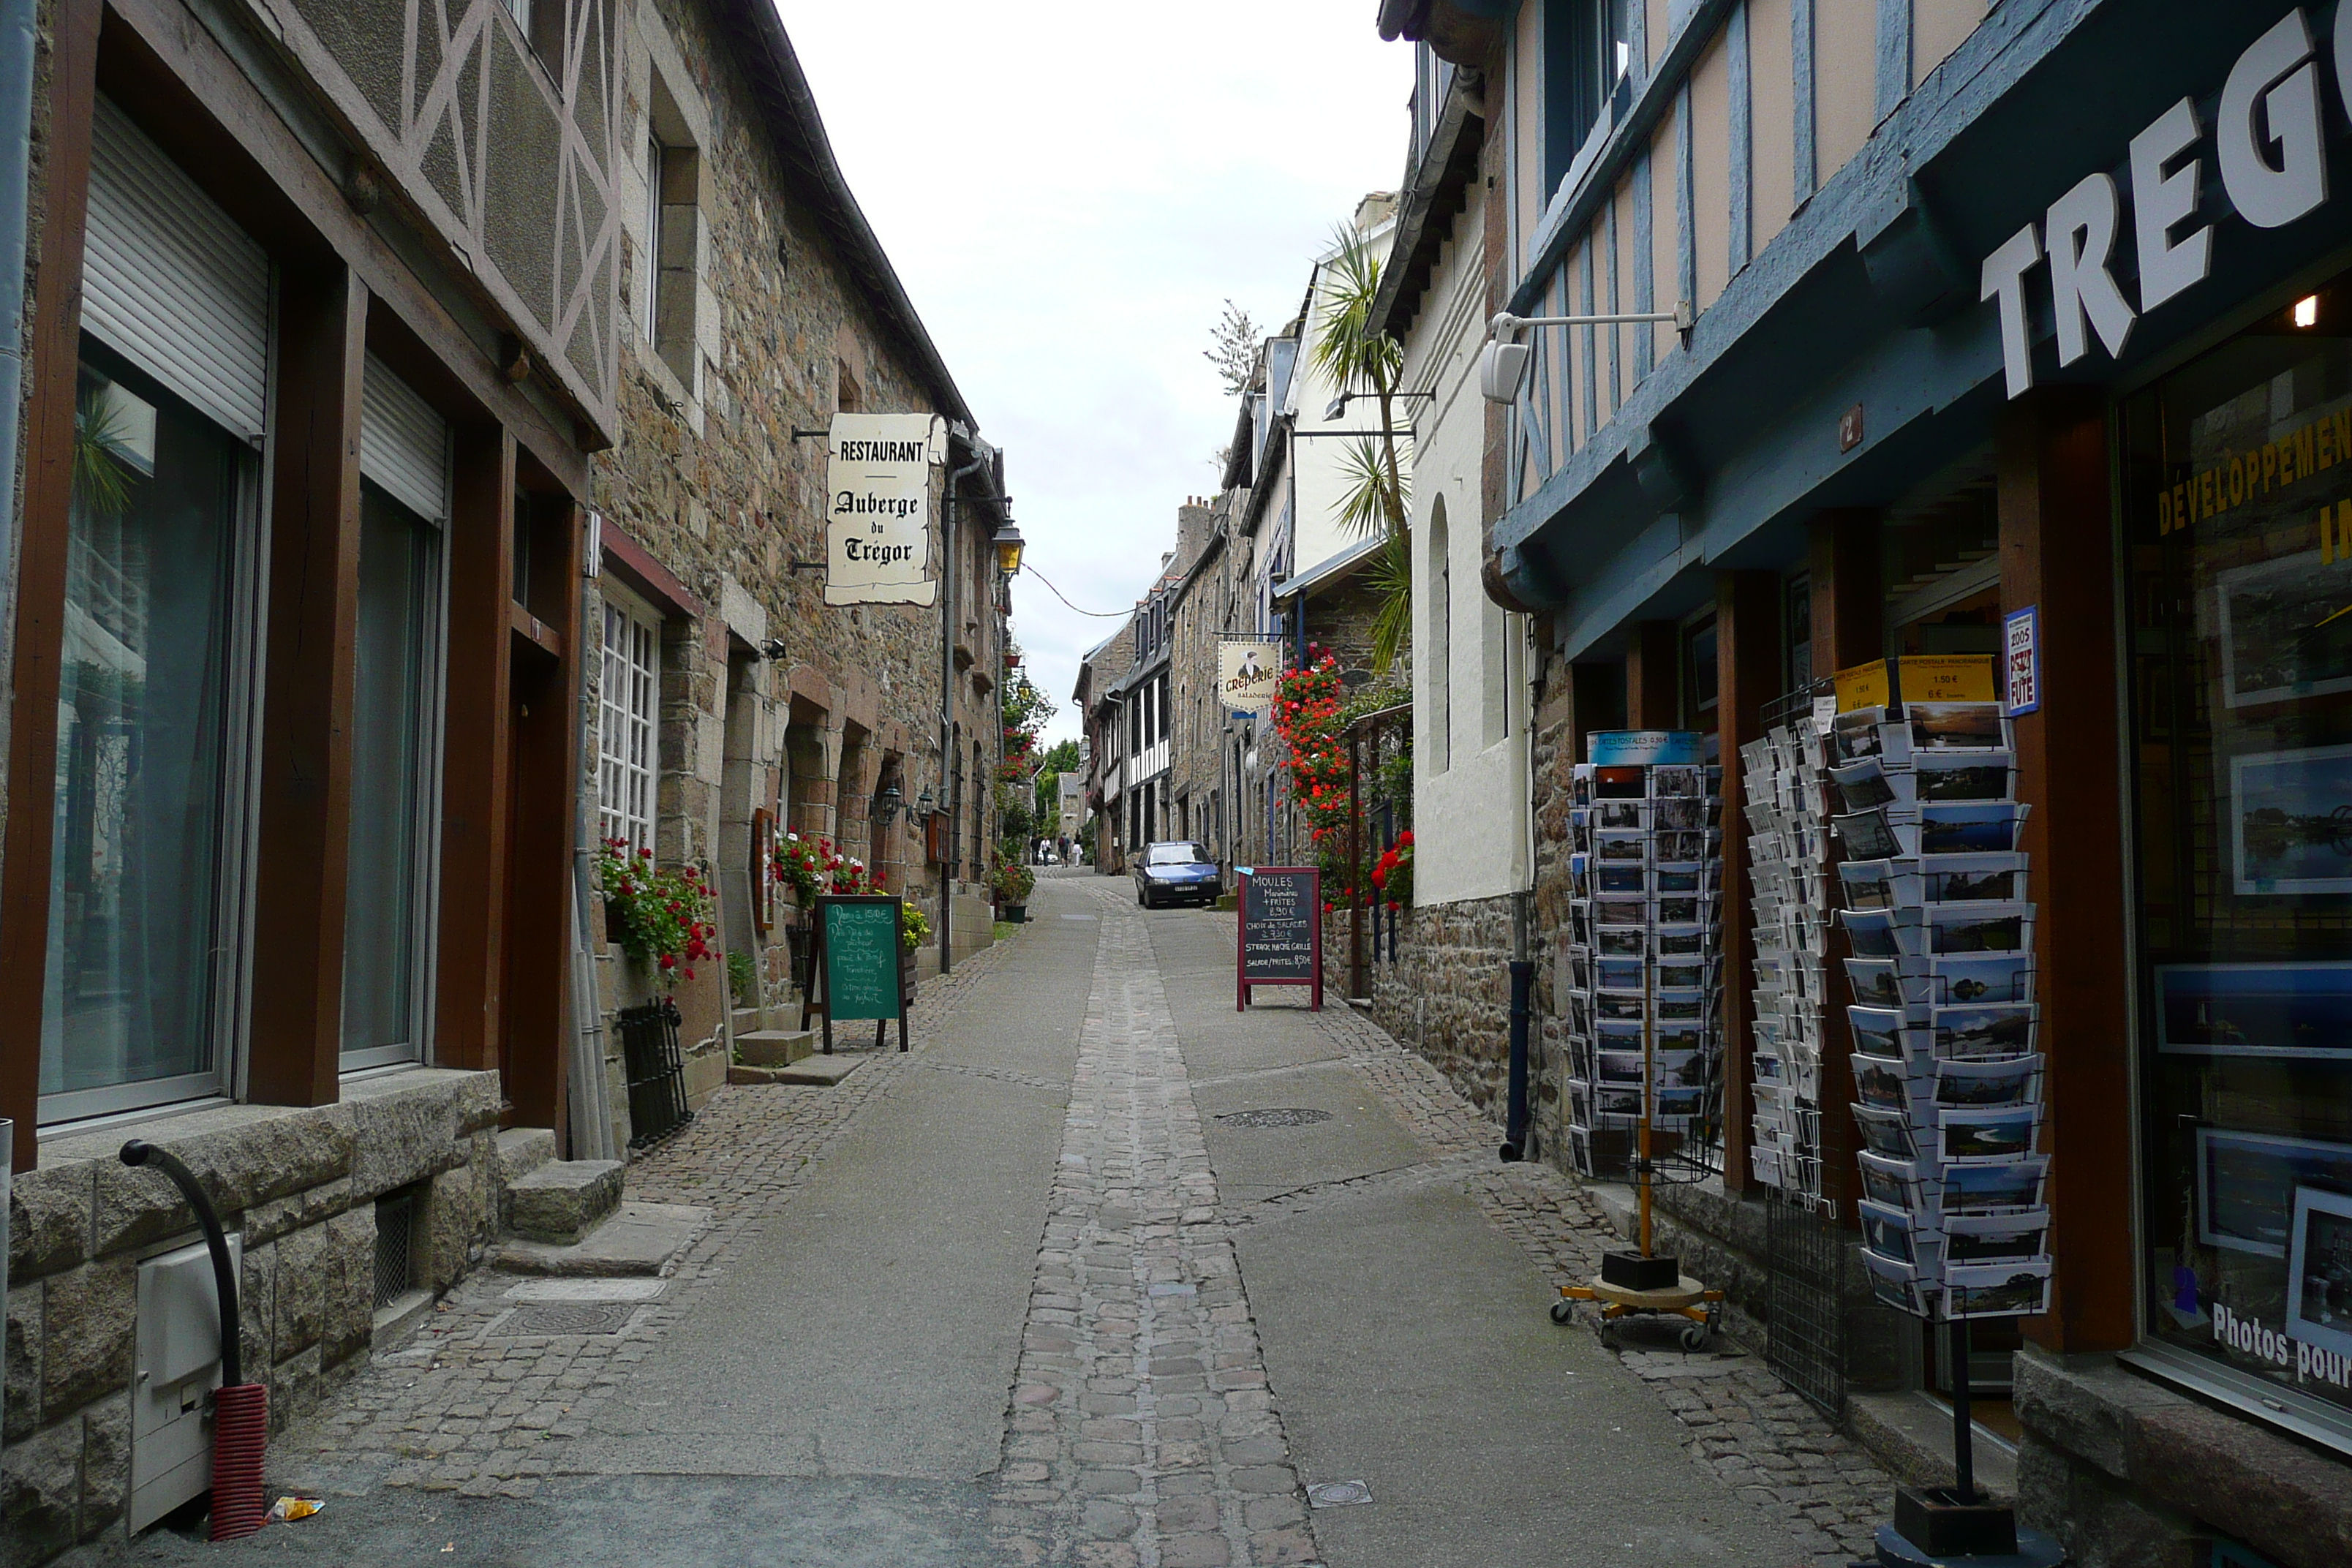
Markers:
point(1281, 911)
point(854, 970)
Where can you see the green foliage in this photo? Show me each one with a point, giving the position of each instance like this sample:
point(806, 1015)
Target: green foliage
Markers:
point(1012, 881)
point(664, 915)
point(741, 979)
point(1375, 484)
point(914, 925)
point(101, 480)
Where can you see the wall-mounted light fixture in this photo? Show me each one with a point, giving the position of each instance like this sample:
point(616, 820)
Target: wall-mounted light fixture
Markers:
point(1503, 367)
point(923, 804)
point(886, 804)
point(772, 650)
point(1008, 548)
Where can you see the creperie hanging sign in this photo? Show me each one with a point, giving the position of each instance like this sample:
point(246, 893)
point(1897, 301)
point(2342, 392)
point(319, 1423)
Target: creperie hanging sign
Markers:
point(2267, 145)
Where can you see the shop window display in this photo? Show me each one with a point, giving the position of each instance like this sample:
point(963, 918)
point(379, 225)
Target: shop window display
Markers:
point(2237, 528)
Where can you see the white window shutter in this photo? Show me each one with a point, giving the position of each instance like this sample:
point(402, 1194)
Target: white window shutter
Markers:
point(404, 443)
point(171, 281)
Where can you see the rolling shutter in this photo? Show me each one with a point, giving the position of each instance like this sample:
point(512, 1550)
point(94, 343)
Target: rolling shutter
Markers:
point(170, 281)
point(404, 443)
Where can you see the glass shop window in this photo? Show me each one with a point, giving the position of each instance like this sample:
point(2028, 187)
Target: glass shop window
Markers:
point(153, 669)
point(2237, 528)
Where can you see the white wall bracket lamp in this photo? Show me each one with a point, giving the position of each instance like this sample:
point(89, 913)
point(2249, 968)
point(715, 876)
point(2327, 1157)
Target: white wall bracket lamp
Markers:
point(1503, 367)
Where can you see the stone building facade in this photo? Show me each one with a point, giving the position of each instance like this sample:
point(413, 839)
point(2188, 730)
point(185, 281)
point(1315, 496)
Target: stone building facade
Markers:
point(517, 370)
point(757, 305)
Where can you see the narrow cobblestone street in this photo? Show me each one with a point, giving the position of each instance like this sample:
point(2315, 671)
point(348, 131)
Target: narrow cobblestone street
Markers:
point(1055, 1287)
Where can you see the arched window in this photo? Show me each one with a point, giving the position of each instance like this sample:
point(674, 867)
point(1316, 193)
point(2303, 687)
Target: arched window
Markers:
point(1440, 661)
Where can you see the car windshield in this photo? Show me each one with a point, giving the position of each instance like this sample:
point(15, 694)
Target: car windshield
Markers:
point(1176, 854)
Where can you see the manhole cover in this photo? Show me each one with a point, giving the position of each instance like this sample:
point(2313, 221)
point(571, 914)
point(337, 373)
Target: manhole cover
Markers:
point(567, 1318)
point(1339, 1494)
point(1288, 1116)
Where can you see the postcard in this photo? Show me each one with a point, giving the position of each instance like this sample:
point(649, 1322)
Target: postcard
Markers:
point(2292, 1010)
point(1992, 977)
point(1679, 941)
point(1672, 1006)
point(2246, 1183)
point(1621, 1067)
point(1979, 928)
point(1682, 909)
point(1608, 1005)
point(1684, 1068)
point(1683, 848)
point(1880, 983)
point(1966, 1083)
point(1889, 1233)
point(1580, 1150)
point(1619, 910)
point(1868, 836)
point(1973, 828)
point(1995, 1238)
point(2319, 1269)
point(1621, 814)
point(2291, 821)
point(1976, 1132)
point(1616, 1100)
point(1619, 878)
point(1624, 944)
point(1895, 1183)
point(1878, 1031)
point(1966, 726)
point(1580, 1102)
point(1620, 975)
point(1681, 811)
point(2279, 635)
point(1681, 1036)
point(1886, 1133)
point(1993, 1188)
point(1622, 848)
point(1977, 1030)
point(1871, 884)
point(1623, 783)
point(1679, 1100)
point(1880, 934)
point(1950, 776)
point(1867, 784)
point(1667, 781)
point(1685, 976)
point(1877, 1083)
point(1996, 1289)
point(1896, 1284)
point(1972, 879)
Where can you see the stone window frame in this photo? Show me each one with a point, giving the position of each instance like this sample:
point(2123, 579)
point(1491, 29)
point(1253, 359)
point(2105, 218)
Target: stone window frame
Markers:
point(674, 327)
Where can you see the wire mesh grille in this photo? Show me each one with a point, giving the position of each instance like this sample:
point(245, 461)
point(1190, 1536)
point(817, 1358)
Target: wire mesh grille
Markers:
point(396, 1237)
point(1803, 1338)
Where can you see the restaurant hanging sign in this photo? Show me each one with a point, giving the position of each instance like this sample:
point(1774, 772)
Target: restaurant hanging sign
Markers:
point(1247, 670)
point(877, 538)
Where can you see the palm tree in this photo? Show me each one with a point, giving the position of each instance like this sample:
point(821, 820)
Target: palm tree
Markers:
point(1362, 362)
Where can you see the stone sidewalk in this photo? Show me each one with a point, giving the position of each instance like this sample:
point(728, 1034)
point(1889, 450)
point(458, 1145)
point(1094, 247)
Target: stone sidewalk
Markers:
point(1142, 1432)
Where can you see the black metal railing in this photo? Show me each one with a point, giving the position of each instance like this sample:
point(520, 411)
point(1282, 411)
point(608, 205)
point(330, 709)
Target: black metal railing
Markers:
point(657, 1075)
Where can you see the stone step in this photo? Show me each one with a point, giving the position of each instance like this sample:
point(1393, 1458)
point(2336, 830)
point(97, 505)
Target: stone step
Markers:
point(639, 1239)
point(774, 1047)
point(521, 1151)
point(745, 1020)
point(564, 1201)
point(822, 1070)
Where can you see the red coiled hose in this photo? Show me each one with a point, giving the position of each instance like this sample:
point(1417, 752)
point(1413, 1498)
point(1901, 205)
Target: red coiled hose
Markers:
point(240, 1427)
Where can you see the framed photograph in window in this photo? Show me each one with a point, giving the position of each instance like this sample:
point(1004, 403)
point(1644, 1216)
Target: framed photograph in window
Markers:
point(2291, 821)
point(2291, 1010)
point(2247, 1183)
point(2319, 1269)
point(2280, 638)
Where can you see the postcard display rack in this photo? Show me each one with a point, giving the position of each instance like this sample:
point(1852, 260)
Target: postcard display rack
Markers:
point(1947, 1071)
point(1645, 872)
point(1785, 798)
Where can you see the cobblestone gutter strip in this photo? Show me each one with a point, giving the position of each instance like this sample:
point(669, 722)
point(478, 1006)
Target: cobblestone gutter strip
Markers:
point(1143, 1434)
point(1741, 1423)
point(460, 1410)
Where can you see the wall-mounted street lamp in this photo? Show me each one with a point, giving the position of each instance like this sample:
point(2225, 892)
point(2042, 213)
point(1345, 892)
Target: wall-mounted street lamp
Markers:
point(1008, 548)
point(1503, 367)
point(1337, 407)
point(923, 805)
point(886, 804)
point(772, 650)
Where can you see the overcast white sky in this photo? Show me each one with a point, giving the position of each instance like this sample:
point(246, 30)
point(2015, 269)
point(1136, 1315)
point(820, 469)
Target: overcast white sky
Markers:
point(1070, 192)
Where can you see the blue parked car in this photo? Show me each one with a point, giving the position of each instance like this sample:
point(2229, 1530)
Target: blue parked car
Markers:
point(1175, 872)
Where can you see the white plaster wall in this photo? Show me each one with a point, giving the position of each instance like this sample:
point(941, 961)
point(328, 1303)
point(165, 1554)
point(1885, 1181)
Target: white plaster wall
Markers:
point(1470, 813)
point(1317, 462)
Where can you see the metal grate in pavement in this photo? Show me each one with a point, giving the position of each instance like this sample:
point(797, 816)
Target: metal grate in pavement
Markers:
point(566, 1318)
point(1280, 1117)
point(1339, 1494)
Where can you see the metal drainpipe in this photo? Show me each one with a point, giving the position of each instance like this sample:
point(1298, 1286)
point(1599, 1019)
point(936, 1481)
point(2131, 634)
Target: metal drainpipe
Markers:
point(947, 692)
